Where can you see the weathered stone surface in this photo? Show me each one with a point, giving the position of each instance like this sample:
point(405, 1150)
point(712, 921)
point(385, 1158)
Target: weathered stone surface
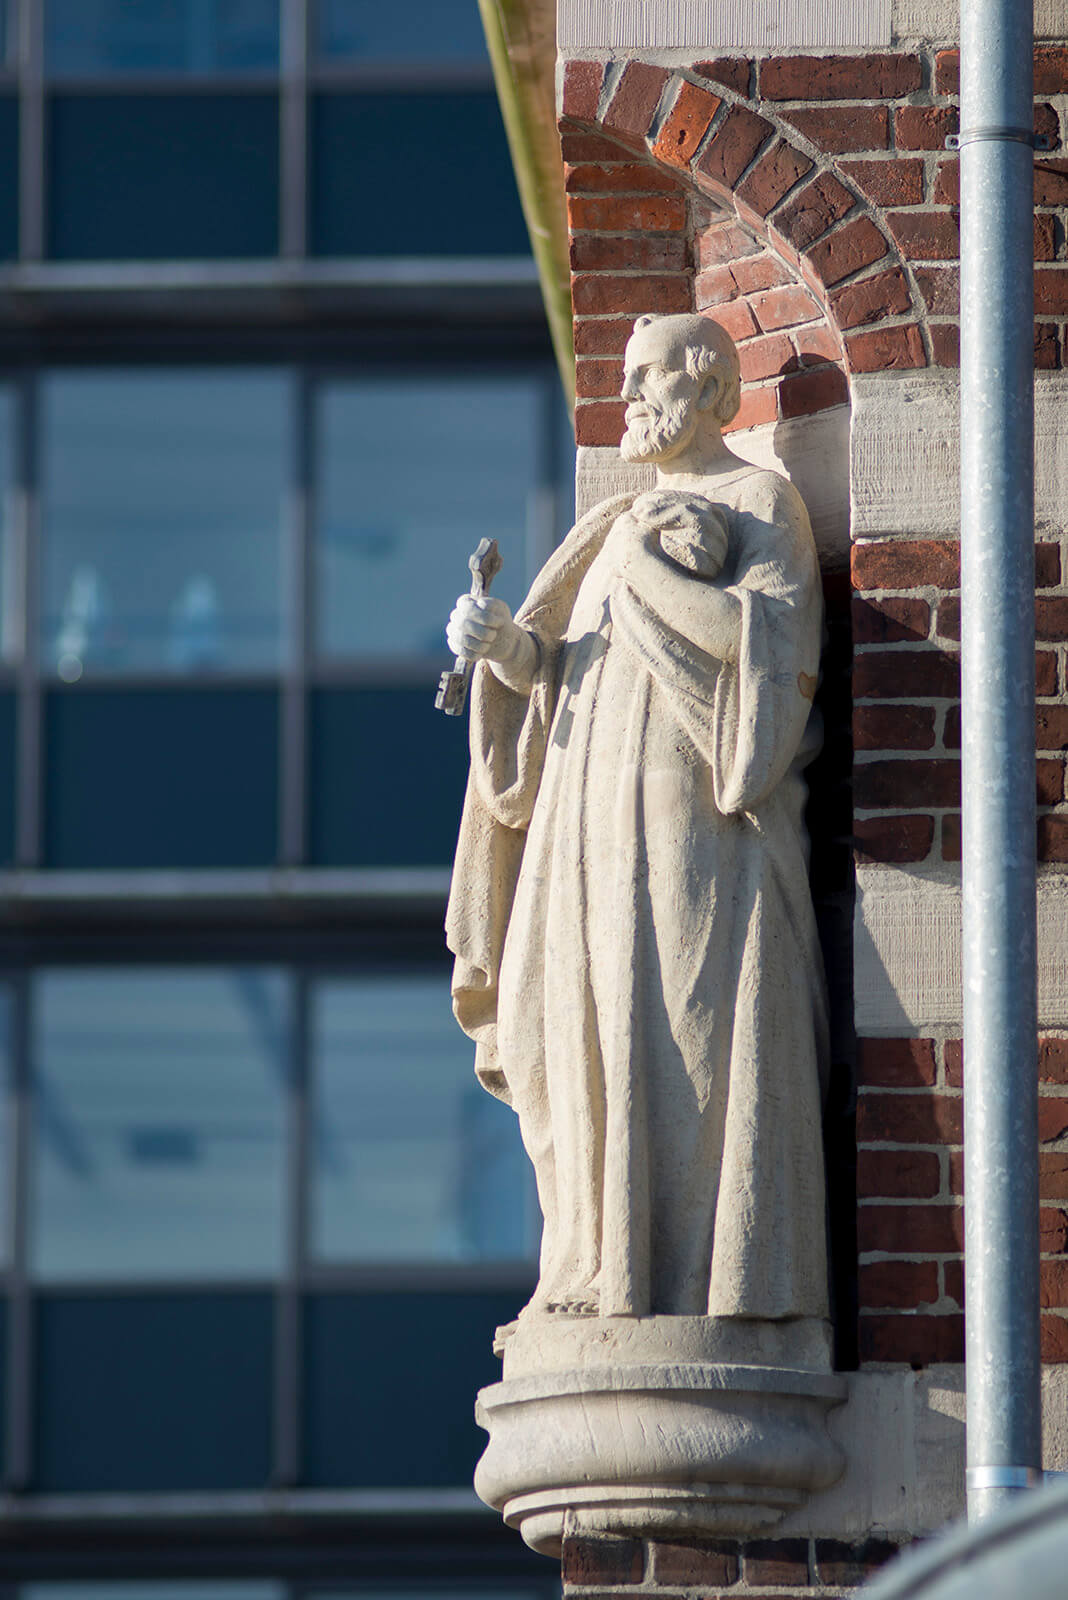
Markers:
point(655, 687)
point(689, 1450)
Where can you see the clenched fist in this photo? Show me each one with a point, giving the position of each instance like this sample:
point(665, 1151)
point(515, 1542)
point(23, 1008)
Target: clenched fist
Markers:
point(483, 629)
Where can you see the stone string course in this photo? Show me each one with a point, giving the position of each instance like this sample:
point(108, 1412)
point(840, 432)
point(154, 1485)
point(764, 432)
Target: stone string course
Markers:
point(768, 1569)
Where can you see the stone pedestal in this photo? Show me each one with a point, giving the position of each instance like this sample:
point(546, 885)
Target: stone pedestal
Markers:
point(657, 1426)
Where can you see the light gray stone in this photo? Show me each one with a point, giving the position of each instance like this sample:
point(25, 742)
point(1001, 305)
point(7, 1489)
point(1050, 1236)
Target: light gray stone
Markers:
point(913, 1483)
point(637, 962)
point(638, 739)
point(938, 21)
point(905, 467)
point(692, 25)
point(907, 951)
point(673, 32)
point(664, 1450)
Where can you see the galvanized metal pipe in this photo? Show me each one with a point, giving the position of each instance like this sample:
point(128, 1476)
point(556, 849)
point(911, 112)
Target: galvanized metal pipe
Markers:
point(1004, 1420)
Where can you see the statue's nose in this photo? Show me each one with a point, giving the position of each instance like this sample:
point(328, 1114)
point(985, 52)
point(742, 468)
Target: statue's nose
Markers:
point(629, 390)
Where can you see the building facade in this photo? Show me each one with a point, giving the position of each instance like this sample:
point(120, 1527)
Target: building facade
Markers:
point(785, 169)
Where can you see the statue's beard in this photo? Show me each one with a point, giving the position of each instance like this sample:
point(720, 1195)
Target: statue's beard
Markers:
point(651, 435)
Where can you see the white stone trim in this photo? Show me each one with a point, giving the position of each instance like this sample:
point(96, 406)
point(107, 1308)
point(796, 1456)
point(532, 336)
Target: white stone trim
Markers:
point(906, 453)
point(907, 952)
point(673, 31)
point(903, 1437)
point(722, 24)
point(939, 20)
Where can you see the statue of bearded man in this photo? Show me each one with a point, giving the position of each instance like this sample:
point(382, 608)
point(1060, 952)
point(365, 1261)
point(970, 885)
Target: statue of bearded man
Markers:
point(636, 953)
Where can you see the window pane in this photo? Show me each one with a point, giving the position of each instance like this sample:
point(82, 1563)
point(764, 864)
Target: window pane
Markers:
point(158, 1102)
point(358, 1433)
point(153, 1392)
point(160, 177)
point(163, 520)
point(7, 1155)
point(8, 714)
point(428, 30)
point(9, 176)
point(365, 149)
point(370, 804)
point(412, 1159)
point(10, 616)
point(413, 472)
point(120, 38)
point(161, 777)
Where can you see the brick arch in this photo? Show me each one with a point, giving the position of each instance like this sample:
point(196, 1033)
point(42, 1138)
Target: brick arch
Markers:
point(735, 212)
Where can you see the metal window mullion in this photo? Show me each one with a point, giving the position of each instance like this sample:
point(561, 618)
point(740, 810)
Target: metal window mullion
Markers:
point(30, 707)
point(292, 811)
point(293, 129)
point(288, 1381)
point(18, 1442)
point(32, 179)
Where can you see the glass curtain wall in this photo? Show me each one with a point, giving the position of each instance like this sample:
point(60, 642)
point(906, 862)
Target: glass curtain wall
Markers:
point(235, 594)
point(218, 131)
point(240, 1190)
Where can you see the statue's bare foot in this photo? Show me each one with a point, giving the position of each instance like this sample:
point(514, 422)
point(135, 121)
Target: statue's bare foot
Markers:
point(573, 1307)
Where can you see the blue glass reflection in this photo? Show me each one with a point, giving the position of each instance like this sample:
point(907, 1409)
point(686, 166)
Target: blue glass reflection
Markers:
point(189, 1589)
point(8, 587)
point(7, 1154)
point(162, 509)
point(429, 30)
point(412, 1160)
point(158, 1101)
point(122, 38)
point(413, 472)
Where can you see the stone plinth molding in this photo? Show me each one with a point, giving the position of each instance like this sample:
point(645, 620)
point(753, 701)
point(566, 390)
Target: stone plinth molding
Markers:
point(657, 1448)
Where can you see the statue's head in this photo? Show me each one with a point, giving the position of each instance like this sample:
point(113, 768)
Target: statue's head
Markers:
point(679, 374)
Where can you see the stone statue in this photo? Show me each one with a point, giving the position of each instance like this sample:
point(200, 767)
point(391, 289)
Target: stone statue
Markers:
point(636, 952)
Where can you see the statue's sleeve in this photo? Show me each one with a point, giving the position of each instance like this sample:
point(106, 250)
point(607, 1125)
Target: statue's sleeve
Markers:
point(509, 732)
point(748, 715)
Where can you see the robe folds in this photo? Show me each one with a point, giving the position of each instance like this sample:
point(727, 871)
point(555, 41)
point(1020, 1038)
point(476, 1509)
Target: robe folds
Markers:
point(636, 951)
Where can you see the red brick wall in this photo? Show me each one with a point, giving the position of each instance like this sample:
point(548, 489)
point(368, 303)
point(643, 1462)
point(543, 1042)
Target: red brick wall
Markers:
point(909, 1189)
point(773, 1569)
point(906, 689)
point(833, 169)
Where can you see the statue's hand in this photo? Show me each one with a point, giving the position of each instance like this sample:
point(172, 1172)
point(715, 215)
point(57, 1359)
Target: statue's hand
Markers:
point(687, 527)
point(481, 628)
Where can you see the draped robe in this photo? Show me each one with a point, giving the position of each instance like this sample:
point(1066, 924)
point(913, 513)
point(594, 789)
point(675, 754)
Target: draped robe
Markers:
point(636, 952)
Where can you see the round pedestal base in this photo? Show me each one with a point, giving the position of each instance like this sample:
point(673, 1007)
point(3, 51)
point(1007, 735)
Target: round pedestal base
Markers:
point(685, 1450)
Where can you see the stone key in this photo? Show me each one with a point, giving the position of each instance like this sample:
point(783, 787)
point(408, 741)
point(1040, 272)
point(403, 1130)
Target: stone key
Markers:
point(485, 564)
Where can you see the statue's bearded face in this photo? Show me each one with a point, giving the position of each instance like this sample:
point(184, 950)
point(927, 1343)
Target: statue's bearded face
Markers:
point(662, 413)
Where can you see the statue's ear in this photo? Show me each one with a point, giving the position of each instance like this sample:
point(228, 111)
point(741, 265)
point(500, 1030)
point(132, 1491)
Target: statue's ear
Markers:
point(711, 388)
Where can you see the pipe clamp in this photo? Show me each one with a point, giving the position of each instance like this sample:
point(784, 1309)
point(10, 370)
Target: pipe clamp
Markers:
point(1003, 1477)
point(1037, 141)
